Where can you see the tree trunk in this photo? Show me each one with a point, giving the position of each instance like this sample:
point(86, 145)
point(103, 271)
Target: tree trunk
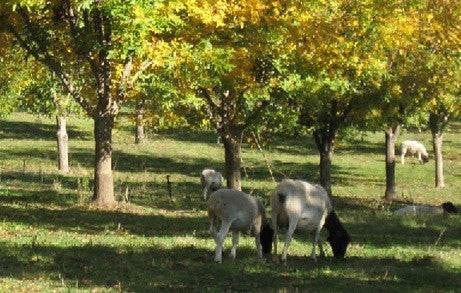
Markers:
point(233, 160)
point(62, 139)
point(139, 135)
point(391, 137)
point(437, 142)
point(103, 179)
point(325, 144)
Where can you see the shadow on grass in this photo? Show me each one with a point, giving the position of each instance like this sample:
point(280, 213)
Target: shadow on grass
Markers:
point(364, 147)
point(190, 268)
point(42, 131)
point(95, 221)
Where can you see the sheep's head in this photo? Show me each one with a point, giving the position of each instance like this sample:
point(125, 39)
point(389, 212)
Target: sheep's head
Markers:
point(338, 238)
point(339, 241)
point(449, 207)
point(215, 186)
point(425, 158)
point(265, 238)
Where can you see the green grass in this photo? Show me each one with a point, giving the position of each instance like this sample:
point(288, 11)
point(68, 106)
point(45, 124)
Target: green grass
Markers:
point(53, 240)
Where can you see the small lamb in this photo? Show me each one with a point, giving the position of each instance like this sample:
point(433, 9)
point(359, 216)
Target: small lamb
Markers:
point(211, 181)
point(302, 206)
point(447, 207)
point(414, 147)
point(238, 212)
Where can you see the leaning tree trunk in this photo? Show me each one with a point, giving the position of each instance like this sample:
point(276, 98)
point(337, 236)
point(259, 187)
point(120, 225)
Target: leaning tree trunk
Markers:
point(103, 179)
point(233, 160)
point(139, 135)
point(437, 142)
point(63, 149)
point(325, 144)
point(391, 137)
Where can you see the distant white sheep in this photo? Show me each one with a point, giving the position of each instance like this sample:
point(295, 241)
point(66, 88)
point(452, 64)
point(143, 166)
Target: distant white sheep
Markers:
point(211, 181)
point(238, 212)
point(302, 206)
point(414, 147)
point(446, 207)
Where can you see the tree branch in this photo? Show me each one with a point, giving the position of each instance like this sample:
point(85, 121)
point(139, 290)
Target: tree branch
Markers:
point(49, 61)
point(75, 33)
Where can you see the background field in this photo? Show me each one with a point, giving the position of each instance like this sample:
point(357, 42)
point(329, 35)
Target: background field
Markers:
point(52, 239)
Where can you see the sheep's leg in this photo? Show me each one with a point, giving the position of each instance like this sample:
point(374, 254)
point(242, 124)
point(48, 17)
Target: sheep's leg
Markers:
point(275, 236)
point(213, 229)
point(220, 240)
point(258, 246)
point(291, 229)
point(402, 156)
point(419, 157)
point(319, 243)
point(235, 242)
point(314, 242)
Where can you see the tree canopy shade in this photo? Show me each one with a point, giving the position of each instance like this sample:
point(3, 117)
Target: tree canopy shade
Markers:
point(97, 49)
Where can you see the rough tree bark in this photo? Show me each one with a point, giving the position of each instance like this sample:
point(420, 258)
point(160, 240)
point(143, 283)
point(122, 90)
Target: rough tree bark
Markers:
point(233, 159)
point(103, 179)
point(139, 135)
point(62, 140)
point(391, 135)
point(437, 142)
point(324, 140)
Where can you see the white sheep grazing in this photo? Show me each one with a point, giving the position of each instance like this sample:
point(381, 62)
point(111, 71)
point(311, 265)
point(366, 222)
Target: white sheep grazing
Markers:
point(238, 212)
point(447, 207)
point(211, 181)
point(414, 147)
point(302, 206)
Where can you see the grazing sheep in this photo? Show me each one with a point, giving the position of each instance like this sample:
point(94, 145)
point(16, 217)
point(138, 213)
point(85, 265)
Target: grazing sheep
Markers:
point(414, 147)
point(447, 207)
point(211, 181)
point(302, 206)
point(238, 212)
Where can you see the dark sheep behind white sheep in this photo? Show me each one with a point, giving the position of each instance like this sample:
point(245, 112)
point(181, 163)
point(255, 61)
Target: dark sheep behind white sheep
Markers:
point(299, 205)
point(237, 211)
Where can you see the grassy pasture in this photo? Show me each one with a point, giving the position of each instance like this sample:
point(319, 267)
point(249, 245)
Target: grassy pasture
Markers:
point(53, 240)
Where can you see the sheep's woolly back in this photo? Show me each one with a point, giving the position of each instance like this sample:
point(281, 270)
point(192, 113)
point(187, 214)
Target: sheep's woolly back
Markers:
point(414, 146)
point(234, 206)
point(296, 194)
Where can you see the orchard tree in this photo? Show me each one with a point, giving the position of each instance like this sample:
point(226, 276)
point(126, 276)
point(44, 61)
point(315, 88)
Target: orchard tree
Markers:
point(439, 60)
point(44, 95)
point(334, 68)
point(399, 101)
point(96, 48)
point(228, 54)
